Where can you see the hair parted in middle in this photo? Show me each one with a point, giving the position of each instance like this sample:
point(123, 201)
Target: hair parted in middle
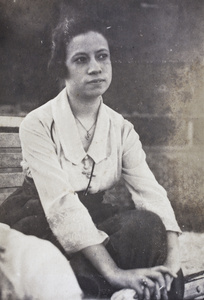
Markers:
point(65, 31)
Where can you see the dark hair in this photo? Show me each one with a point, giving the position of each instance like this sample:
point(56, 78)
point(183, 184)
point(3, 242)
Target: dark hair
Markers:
point(63, 34)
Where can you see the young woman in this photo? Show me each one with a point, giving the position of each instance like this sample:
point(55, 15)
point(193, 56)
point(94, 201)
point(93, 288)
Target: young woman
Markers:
point(74, 149)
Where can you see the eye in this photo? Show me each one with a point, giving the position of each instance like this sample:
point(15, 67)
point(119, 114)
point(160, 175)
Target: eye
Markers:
point(103, 56)
point(81, 60)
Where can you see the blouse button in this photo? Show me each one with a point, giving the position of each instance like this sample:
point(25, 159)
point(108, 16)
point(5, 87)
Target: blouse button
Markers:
point(86, 157)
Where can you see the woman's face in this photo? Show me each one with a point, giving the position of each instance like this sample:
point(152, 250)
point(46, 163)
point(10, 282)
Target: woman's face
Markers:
point(89, 66)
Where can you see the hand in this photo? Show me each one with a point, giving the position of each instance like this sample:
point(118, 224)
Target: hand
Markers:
point(160, 276)
point(143, 281)
point(168, 277)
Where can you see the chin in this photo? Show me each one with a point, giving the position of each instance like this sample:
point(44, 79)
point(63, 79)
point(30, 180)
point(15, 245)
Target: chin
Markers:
point(92, 96)
point(95, 94)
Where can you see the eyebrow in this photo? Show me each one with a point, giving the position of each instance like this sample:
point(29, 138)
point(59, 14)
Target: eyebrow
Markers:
point(79, 53)
point(84, 53)
point(103, 49)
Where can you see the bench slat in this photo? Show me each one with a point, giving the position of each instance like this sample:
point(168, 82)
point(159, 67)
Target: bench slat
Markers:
point(11, 175)
point(11, 180)
point(10, 121)
point(10, 160)
point(10, 140)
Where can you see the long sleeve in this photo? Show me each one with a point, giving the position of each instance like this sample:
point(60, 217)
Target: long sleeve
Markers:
point(145, 190)
point(67, 217)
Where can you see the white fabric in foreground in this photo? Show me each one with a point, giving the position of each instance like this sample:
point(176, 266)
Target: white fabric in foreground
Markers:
point(124, 294)
point(34, 269)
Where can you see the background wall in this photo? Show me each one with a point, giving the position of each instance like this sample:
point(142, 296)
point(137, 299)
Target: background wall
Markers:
point(158, 76)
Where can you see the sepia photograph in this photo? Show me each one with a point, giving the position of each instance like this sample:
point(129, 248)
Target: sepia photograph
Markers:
point(101, 149)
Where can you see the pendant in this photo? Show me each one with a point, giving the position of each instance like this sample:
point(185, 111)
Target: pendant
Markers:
point(88, 136)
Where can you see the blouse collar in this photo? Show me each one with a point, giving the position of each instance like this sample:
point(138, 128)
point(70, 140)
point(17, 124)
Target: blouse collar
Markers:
point(69, 136)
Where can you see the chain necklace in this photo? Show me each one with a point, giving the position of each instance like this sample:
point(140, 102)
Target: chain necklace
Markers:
point(88, 134)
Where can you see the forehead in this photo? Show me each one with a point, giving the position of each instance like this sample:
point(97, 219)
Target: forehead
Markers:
point(87, 43)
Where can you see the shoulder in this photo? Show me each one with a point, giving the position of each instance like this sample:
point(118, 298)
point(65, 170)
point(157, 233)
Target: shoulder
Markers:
point(36, 122)
point(42, 115)
point(117, 118)
point(118, 121)
point(124, 130)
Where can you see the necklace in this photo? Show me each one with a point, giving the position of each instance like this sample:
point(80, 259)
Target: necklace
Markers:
point(88, 134)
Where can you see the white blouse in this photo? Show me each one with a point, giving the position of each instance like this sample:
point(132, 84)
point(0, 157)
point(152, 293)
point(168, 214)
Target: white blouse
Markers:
point(53, 155)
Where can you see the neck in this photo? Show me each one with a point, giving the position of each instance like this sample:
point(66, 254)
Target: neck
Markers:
point(84, 108)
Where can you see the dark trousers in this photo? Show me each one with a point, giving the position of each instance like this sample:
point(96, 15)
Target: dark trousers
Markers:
point(137, 238)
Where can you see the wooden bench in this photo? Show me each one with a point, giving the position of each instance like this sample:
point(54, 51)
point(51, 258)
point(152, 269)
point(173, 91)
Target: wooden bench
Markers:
point(11, 177)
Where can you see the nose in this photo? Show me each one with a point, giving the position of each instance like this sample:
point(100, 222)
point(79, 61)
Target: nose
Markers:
point(94, 67)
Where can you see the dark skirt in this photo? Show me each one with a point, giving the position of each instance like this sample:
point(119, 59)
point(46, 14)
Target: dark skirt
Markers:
point(137, 238)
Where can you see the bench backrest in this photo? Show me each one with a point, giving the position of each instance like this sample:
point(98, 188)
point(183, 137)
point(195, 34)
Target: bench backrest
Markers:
point(11, 175)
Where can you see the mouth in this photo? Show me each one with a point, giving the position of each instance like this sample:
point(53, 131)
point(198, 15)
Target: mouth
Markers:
point(96, 80)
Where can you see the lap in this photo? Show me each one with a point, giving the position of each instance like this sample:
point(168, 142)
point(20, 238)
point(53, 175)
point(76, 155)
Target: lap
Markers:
point(128, 229)
point(137, 238)
point(129, 245)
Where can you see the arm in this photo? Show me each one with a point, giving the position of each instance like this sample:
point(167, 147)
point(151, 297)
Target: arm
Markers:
point(173, 257)
point(146, 192)
point(67, 217)
point(102, 261)
point(149, 195)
